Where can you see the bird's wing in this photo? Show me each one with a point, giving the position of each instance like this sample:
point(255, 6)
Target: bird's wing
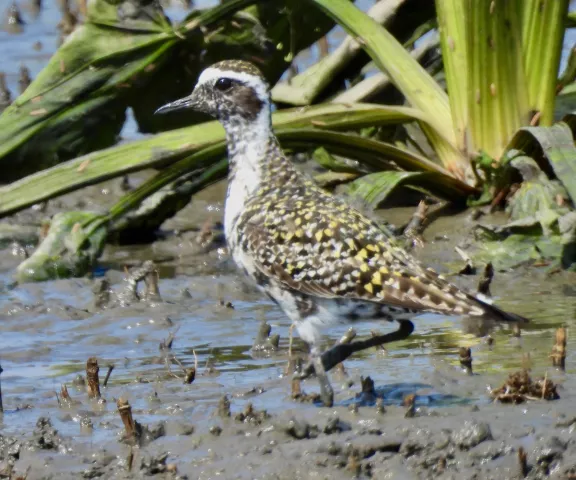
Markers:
point(334, 251)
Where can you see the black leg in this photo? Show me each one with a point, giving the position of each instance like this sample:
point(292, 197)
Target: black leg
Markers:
point(340, 352)
point(326, 392)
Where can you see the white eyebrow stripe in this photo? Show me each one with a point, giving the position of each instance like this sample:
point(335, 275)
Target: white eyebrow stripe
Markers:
point(211, 74)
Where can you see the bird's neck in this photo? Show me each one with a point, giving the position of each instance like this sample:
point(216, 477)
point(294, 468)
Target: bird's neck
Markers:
point(249, 142)
point(255, 158)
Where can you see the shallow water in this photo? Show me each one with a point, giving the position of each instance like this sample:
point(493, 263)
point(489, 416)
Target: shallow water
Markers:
point(48, 330)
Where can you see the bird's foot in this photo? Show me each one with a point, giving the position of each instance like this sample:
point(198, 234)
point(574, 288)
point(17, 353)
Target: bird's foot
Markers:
point(316, 367)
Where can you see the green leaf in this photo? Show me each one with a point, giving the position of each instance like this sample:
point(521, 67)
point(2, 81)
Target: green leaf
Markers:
point(78, 101)
point(326, 160)
point(537, 198)
point(556, 144)
point(305, 87)
point(373, 153)
point(406, 73)
point(367, 151)
point(497, 95)
point(542, 41)
point(166, 148)
point(68, 249)
point(453, 39)
point(373, 189)
point(517, 250)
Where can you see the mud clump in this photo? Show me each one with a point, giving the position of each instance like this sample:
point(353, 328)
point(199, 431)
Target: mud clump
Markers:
point(46, 437)
point(252, 416)
point(472, 434)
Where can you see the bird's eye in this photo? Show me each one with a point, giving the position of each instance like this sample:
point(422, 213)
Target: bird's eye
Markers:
point(223, 84)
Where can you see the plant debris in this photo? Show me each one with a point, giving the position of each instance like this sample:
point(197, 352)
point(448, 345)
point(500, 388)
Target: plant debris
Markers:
point(520, 388)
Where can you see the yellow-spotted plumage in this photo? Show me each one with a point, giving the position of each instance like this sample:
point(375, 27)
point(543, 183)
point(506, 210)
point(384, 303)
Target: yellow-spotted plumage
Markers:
point(319, 259)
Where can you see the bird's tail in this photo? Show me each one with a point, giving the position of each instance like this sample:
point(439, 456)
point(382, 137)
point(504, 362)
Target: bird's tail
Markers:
point(499, 315)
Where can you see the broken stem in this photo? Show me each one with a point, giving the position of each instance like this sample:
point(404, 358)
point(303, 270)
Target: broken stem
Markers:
point(92, 378)
point(558, 354)
point(125, 411)
point(108, 373)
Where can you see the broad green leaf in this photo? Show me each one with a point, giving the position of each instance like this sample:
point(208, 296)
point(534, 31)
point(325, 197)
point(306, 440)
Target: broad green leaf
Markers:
point(569, 74)
point(373, 153)
point(542, 40)
point(373, 189)
point(453, 39)
point(120, 59)
point(369, 152)
point(419, 88)
point(143, 210)
point(77, 102)
point(67, 251)
point(556, 144)
point(497, 96)
point(516, 250)
point(305, 87)
point(538, 197)
point(166, 148)
point(327, 160)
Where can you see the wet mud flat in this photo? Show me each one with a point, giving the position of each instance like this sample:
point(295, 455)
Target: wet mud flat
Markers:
point(206, 403)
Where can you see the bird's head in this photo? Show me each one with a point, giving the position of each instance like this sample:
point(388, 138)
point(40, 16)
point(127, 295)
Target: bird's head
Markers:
point(229, 90)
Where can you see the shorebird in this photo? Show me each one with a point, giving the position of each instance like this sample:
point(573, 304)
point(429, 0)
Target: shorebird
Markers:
point(320, 260)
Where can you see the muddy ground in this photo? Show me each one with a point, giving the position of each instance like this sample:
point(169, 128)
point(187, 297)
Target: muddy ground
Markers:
point(48, 331)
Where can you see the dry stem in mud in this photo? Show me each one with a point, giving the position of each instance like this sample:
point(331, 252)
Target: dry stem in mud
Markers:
point(417, 224)
point(300, 396)
point(252, 416)
point(522, 463)
point(486, 280)
point(409, 401)
point(265, 342)
point(107, 377)
point(558, 354)
point(466, 359)
point(469, 268)
point(125, 410)
point(519, 388)
point(65, 398)
point(152, 291)
point(189, 373)
point(93, 381)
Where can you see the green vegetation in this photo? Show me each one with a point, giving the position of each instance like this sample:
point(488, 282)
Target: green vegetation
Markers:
point(475, 125)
